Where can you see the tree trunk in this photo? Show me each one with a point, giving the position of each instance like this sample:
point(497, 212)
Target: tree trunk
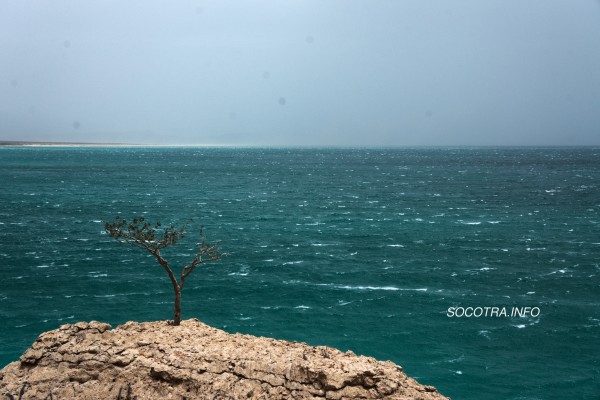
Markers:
point(177, 313)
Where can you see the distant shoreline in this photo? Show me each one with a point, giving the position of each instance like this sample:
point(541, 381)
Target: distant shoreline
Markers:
point(15, 143)
point(62, 144)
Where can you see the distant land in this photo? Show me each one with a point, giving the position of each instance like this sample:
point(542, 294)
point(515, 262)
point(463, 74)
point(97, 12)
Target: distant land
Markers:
point(25, 143)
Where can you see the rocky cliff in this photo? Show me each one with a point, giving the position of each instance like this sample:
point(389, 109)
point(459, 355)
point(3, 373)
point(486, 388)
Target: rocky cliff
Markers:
point(153, 360)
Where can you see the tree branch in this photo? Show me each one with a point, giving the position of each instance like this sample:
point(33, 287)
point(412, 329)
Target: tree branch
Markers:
point(143, 235)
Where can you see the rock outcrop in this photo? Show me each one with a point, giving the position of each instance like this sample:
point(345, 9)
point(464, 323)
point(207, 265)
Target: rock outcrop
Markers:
point(153, 360)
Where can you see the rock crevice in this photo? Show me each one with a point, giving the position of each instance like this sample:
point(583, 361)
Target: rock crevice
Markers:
point(153, 360)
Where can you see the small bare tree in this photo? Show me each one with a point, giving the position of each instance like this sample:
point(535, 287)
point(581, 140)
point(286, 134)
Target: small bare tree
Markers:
point(153, 238)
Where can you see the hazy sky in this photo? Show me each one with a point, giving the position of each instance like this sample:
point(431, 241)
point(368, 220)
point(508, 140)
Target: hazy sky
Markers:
point(322, 72)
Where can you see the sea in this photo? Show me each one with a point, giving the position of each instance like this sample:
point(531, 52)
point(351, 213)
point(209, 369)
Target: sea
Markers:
point(475, 269)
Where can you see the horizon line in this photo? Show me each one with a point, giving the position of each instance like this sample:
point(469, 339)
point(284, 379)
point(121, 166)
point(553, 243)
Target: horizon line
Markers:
point(24, 143)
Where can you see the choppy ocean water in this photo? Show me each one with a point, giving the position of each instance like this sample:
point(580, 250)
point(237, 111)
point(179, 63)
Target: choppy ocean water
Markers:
point(356, 249)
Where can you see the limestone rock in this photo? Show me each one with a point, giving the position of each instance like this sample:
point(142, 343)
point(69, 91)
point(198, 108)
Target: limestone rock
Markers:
point(153, 360)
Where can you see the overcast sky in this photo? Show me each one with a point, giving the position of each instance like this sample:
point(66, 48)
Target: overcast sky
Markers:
point(334, 72)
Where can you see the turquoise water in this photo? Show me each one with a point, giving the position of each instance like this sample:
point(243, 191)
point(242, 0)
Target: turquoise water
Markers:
point(356, 249)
